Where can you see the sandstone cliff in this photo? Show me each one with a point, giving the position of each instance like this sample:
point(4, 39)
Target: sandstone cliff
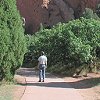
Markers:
point(50, 12)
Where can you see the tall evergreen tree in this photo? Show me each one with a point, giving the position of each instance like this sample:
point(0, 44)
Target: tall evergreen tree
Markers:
point(12, 40)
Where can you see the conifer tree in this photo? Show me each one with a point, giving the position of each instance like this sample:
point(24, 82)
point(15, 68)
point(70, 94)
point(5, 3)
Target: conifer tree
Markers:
point(12, 40)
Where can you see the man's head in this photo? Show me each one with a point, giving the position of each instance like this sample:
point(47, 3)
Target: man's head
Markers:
point(42, 53)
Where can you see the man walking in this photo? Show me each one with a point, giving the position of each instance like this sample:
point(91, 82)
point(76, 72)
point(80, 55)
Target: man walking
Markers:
point(42, 64)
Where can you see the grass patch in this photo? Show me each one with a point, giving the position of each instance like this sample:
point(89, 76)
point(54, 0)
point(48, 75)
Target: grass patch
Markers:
point(6, 92)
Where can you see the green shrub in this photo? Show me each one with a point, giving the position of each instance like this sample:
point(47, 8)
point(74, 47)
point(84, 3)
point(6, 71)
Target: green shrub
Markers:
point(12, 40)
point(88, 13)
point(98, 10)
point(76, 40)
point(61, 69)
point(72, 44)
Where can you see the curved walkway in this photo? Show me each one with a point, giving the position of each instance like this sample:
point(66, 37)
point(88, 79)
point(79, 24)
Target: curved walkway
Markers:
point(53, 88)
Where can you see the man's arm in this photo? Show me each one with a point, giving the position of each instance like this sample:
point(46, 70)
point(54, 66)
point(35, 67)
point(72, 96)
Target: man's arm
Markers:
point(38, 62)
point(46, 63)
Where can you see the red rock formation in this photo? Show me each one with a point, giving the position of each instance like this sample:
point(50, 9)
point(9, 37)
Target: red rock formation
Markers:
point(31, 11)
point(50, 12)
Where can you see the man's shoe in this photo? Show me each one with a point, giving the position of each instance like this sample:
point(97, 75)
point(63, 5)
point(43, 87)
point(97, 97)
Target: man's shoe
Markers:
point(39, 81)
point(43, 81)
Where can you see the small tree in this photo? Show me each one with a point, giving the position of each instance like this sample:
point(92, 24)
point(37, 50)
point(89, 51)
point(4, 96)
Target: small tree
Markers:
point(98, 10)
point(88, 13)
point(12, 40)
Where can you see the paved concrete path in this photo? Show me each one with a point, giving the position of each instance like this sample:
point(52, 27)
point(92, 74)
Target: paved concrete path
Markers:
point(53, 88)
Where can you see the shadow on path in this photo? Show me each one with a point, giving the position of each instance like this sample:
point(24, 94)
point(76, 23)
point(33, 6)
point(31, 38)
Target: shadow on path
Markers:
point(26, 72)
point(80, 84)
point(51, 84)
point(85, 83)
point(31, 72)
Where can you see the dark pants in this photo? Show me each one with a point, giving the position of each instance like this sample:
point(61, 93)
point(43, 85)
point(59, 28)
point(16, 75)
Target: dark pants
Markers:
point(41, 72)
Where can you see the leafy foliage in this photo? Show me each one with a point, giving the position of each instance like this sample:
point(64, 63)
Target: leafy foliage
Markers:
point(72, 43)
point(70, 47)
point(12, 40)
point(88, 13)
point(98, 10)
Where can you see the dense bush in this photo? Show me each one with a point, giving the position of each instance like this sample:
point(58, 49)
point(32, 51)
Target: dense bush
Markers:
point(12, 40)
point(71, 44)
point(89, 13)
point(68, 46)
point(98, 10)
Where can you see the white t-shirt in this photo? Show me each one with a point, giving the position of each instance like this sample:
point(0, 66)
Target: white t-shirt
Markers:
point(42, 59)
